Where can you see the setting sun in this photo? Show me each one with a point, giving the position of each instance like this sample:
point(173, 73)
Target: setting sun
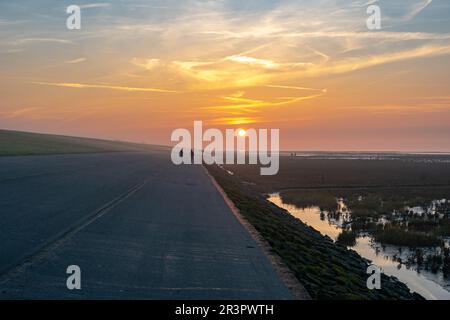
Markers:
point(241, 132)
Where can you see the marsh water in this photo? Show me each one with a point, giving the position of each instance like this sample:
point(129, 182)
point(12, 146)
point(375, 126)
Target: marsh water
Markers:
point(429, 285)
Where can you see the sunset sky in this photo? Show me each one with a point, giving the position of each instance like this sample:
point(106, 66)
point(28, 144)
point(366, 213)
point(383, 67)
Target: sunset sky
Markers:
point(139, 69)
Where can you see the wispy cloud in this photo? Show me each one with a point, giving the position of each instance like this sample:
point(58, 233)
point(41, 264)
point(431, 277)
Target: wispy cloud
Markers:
point(102, 86)
point(4, 22)
point(237, 102)
point(54, 40)
point(265, 63)
point(295, 88)
point(235, 121)
point(269, 64)
point(74, 61)
point(416, 9)
point(17, 113)
point(353, 64)
point(95, 5)
point(148, 64)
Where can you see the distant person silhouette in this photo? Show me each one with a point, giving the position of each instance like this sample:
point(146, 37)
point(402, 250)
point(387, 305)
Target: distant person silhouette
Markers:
point(192, 155)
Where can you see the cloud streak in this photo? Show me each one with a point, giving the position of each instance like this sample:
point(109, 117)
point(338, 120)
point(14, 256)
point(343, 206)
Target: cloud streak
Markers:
point(95, 5)
point(101, 86)
point(75, 61)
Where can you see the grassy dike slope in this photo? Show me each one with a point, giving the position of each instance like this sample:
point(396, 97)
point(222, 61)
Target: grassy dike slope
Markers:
point(327, 270)
point(14, 143)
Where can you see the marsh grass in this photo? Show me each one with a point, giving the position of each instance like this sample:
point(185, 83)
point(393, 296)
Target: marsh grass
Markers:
point(325, 200)
point(394, 235)
point(327, 270)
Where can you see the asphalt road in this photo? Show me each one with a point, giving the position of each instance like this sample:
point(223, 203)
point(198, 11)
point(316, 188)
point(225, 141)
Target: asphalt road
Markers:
point(137, 226)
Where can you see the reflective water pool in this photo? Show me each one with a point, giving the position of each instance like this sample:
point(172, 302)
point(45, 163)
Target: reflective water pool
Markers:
point(429, 285)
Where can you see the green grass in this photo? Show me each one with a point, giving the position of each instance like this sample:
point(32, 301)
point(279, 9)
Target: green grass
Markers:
point(14, 143)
